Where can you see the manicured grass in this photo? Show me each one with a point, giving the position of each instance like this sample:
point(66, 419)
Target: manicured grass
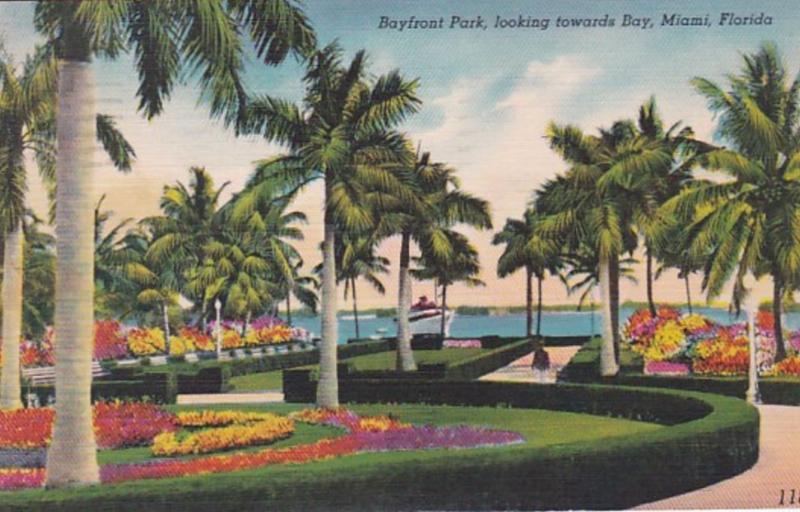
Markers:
point(380, 361)
point(257, 381)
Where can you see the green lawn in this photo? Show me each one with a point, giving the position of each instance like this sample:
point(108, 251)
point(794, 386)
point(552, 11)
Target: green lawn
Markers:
point(540, 428)
point(380, 361)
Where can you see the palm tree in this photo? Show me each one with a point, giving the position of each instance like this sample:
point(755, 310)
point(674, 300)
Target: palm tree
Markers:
point(184, 234)
point(460, 265)
point(342, 134)
point(164, 36)
point(356, 259)
point(749, 219)
point(108, 245)
point(269, 230)
point(440, 204)
point(673, 252)
point(26, 123)
point(653, 185)
point(526, 248)
point(585, 206)
point(583, 265)
point(38, 280)
point(304, 287)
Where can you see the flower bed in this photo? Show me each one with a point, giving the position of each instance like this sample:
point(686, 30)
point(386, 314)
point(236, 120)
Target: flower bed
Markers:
point(233, 430)
point(701, 345)
point(113, 341)
point(116, 424)
point(363, 434)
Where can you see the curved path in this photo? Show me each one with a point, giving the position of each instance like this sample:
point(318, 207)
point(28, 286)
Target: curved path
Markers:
point(520, 370)
point(778, 468)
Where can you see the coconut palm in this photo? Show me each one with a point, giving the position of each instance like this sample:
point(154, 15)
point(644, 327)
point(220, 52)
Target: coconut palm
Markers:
point(341, 134)
point(585, 206)
point(356, 259)
point(653, 185)
point(525, 248)
point(183, 234)
point(269, 229)
point(440, 204)
point(460, 265)
point(304, 287)
point(26, 124)
point(750, 218)
point(583, 265)
point(165, 38)
point(38, 279)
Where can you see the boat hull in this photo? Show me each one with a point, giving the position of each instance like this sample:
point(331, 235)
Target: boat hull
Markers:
point(431, 323)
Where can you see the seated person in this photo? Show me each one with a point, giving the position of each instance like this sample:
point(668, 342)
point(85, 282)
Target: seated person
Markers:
point(422, 304)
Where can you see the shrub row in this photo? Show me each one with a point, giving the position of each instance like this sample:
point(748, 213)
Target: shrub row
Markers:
point(160, 388)
point(211, 376)
point(299, 384)
point(711, 438)
point(584, 368)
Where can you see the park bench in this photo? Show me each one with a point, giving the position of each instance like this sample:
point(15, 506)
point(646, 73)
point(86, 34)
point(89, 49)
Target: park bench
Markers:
point(47, 374)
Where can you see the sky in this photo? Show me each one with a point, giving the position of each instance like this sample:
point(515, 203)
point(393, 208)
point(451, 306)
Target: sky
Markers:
point(487, 98)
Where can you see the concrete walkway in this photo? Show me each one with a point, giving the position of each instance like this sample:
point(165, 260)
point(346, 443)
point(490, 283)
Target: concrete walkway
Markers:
point(520, 370)
point(261, 397)
point(778, 468)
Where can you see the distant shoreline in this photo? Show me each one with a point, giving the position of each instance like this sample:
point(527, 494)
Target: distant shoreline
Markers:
point(466, 310)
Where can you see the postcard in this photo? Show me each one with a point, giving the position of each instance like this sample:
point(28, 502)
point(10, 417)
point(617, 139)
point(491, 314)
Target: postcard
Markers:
point(409, 255)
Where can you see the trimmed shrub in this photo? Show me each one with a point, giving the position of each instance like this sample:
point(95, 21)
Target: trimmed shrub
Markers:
point(481, 364)
point(159, 388)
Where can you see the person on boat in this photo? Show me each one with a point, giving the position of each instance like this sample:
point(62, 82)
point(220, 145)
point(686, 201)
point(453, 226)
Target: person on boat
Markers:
point(423, 303)
point(540, 364)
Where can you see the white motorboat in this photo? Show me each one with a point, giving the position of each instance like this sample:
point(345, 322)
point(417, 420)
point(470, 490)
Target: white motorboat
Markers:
point(425, 317)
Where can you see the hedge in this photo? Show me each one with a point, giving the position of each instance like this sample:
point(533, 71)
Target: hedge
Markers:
point(584, 368)
point(299, 384)
point(160, 388)
point(212, 376)
point(709, 438)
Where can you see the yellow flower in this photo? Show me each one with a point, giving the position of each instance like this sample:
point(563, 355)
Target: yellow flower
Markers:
point(232, 429)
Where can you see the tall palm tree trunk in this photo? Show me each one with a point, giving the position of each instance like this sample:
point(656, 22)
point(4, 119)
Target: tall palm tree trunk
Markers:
point(165, 311)
point(355, 308)
point(405, 356)
point(539, 280)
point(328, 385)
point(777, 313)
point(289, 309)
point(688, 292)
point(650, 302)
point(528, 302)
point(10, 391)
point(614, 299)
point(444, 308)
point(608, 360)
point(72, 456)
point(203, 308)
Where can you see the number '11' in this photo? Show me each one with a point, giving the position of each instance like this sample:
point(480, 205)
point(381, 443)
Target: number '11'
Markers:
point(792, 496)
